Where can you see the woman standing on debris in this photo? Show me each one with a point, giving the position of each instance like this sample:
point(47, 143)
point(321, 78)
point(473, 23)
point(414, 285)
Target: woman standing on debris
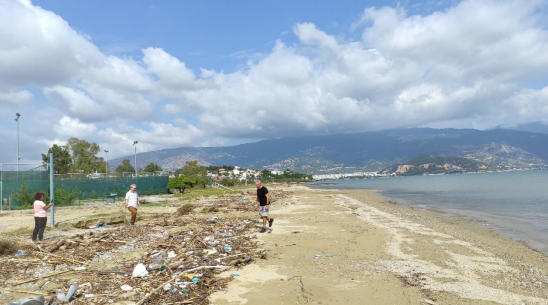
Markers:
point(40, 216)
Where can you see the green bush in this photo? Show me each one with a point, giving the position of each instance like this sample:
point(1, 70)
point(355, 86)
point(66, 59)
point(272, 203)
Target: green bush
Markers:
point(150, 191)
point(93, 195)
point(66, 197)
point(118, 190)
point(180, 183)
point(24, 196)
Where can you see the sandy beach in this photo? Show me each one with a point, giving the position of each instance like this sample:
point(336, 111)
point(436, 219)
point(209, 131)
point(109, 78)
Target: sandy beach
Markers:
point(351, 247)
point(354, 247)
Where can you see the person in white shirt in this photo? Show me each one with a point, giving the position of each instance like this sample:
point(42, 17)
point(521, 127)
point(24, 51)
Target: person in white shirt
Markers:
point(132, 203)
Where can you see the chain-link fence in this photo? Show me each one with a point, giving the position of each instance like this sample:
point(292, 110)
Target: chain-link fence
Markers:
point(16, 179)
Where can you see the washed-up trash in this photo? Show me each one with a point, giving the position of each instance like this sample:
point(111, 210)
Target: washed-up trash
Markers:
point(171, 254)
point(157, 260)
point(20, 253)
point(228, 248)
point(126, 288)
point(100, 225)
point(167, 287)
point(210, 251)
point(208, 238)
point(114, 268)
point(189, 276)
point(323, 254)
point(234, 274)
point(241, 198)
point(66, 297)
point(174, 291)
point(195, 280)
point(80, 268)
point(89, 295)
point(140, 270)
point(32, 301)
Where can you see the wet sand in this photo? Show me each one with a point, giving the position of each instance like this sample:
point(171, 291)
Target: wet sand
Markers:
point(354, 247)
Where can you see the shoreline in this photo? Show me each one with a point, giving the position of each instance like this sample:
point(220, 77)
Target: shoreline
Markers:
point(330, 247)
point(353, 245)
point(517, 215)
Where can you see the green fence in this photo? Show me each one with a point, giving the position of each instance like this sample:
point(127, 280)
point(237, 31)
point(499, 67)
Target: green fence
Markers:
point(92, 187)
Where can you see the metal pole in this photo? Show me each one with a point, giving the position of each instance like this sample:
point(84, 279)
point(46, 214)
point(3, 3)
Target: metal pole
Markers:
point(51, 189)
point(17, 120)
point(2, 186)
point(135, 145)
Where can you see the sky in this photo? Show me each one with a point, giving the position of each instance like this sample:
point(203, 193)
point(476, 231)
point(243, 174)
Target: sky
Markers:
point(216, 73)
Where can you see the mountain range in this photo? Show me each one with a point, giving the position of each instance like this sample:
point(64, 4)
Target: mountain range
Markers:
point(368, 151)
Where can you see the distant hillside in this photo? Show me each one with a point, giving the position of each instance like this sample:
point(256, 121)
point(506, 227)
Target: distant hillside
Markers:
point(369, 151)
point(538, 127)
point(428, 164)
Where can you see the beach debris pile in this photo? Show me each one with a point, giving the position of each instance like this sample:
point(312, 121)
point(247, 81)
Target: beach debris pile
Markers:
point(173, 260)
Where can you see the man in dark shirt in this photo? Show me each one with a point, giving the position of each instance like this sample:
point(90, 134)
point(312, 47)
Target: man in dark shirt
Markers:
point(262, 205)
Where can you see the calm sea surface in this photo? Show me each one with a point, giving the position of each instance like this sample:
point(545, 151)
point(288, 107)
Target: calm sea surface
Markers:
point(515, 203)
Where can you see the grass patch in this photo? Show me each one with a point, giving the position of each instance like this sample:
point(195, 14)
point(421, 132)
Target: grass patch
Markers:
point(10, 247)
point(185, 209)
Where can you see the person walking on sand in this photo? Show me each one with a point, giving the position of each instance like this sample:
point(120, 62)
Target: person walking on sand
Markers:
point(40, 216)
point(132, 203)
point(262, 205)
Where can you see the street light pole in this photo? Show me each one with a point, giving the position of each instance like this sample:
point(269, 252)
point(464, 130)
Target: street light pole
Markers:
point(106, 165)
point(17, 120)
point(135, 145)
point(106, 162)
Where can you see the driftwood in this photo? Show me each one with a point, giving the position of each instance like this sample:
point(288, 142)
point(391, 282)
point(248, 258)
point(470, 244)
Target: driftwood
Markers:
point(64, 258)
point(24, 291)
point(42, 277)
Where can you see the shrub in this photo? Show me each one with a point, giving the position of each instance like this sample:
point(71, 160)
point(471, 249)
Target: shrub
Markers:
point(185, 209)
point(150, 191)
point(24, 196)
point(93, 195)
point(180, 183)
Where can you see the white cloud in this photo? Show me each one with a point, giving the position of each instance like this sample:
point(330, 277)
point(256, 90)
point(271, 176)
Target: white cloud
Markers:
point(468, 64)
point(17, 97)
point(172, 72)
point(68, 127)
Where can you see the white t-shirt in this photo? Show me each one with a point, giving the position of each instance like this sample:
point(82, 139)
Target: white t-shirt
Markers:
point(132, 198)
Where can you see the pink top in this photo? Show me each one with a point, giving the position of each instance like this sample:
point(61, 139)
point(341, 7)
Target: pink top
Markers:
point(39, 209)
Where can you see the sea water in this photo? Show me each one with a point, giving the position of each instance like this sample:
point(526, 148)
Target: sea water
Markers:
point(515, 203)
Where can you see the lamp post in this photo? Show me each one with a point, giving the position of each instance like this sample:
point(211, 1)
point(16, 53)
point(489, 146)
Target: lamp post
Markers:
point(106, 163)
point(135, 145)
point(17, 120)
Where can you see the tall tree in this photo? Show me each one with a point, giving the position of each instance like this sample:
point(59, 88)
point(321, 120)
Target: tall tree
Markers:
point(180, 183)
point(125, 167)
point(191, 168)
point(196, 173)
point(84, 156)
point(61, 158)
point(152, 167)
